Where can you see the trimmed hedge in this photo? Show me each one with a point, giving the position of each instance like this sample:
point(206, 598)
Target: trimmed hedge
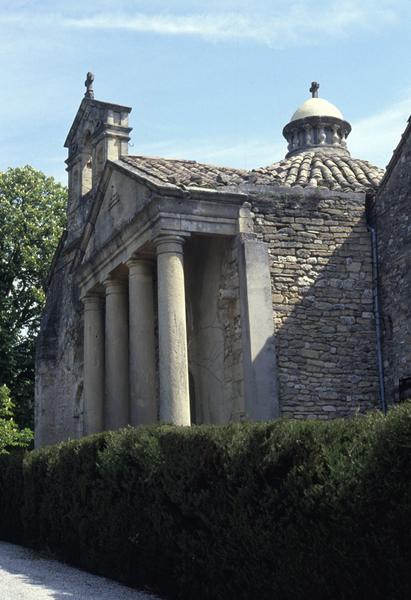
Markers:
point(11, 496)
point(289, 510)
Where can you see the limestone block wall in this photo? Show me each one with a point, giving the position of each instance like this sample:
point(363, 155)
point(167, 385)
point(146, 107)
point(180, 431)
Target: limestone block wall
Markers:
point(229, 314)
point(321, 270)
point(59, 360)
point(393, 223)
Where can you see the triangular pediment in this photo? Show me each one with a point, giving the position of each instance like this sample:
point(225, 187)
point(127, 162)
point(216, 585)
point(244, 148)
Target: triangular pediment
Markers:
point(119, 198)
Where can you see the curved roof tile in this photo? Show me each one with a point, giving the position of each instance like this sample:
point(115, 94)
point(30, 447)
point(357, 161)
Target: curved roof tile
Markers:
point(306, 169)
point(313, 169)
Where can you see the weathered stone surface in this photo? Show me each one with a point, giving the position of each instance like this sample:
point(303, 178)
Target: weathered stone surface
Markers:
point(214, 330)
point(258, 339)
point(59, 359)
point(392, 220)
point(325, 347)
point(172, 331)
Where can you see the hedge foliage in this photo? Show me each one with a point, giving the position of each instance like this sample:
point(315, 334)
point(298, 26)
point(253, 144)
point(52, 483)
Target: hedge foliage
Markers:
point(285, 510)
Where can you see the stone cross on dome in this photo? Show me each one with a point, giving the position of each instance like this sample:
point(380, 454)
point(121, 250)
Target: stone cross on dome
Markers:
point(89, 85)
point(314, 89)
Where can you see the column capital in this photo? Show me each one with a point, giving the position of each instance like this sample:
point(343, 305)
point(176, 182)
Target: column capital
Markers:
point(115, 285)
point(140, 266)
point(92, 300)
point(169, 243)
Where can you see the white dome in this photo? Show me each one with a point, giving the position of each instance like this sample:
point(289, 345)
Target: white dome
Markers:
point(316, 107)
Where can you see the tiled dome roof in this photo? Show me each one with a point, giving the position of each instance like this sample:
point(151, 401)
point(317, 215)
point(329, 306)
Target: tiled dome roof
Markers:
point(317, 168)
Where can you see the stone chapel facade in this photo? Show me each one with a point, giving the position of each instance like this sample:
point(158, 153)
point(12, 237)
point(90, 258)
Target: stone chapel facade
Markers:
point(190, 293)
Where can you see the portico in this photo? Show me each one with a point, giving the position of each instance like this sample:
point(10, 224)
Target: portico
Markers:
point(120, 343)
point(164, 284)
point(147, 345)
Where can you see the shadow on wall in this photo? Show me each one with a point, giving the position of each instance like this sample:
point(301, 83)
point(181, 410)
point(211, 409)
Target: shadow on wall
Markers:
point(322, 284)
point(213, 329)
point(321, 273)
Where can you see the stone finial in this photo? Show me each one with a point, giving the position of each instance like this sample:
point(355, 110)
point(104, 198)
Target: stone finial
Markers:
point(314, 89)
point(89, 85)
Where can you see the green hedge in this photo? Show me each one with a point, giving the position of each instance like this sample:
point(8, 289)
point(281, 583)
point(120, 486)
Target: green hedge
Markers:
point(11, 496)
point(286, 510)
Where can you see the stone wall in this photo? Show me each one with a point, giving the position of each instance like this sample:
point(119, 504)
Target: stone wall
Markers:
point(214, 329)
point(229, 314)
point(59, 360)
point(393, 223)
point(321, 271)
point(59, 402)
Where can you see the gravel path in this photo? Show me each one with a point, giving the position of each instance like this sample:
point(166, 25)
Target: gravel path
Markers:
point(24, 575)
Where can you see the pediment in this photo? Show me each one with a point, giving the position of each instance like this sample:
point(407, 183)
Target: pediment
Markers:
point(116, 204)
point(87, 120)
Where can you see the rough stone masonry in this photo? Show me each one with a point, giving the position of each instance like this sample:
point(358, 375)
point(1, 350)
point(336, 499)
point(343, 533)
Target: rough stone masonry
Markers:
point(194, 293)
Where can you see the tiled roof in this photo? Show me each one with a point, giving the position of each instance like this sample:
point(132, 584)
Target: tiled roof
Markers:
point(314, 169)
point(308, 169)
point(183, 173)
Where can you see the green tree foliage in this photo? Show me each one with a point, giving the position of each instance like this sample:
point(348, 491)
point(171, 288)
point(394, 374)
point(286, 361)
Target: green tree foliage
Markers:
point(32, 216)
point(10, 435)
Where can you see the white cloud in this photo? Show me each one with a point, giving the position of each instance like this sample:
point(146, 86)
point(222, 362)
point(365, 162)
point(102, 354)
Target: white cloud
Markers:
point(298, 23)
point(281, 24)
point(375, 137)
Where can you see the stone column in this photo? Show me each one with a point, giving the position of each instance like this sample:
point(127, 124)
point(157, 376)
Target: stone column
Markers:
point(172, 331)
point(93, 363)
point(143, 401)
point(116, 408)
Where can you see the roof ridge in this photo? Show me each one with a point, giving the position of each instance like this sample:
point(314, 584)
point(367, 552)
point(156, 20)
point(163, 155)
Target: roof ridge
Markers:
point(163, 158)
point(396, 152)
point(186, 161)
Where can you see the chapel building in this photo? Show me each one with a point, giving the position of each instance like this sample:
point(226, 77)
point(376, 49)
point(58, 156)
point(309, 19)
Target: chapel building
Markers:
point(189, 293)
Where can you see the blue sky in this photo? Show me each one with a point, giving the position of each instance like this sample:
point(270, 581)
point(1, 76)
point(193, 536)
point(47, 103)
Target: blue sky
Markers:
point(213, 81)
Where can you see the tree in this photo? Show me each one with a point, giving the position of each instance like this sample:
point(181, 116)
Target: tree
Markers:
point(10, 435)
point(32, 216)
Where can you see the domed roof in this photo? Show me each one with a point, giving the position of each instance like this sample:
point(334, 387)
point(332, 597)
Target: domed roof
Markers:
point(317, 124)
point(318, 168)
point(316, 107)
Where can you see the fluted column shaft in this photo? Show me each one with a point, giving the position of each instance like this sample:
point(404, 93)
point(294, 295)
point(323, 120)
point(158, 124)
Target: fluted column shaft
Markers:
point(93, 363)
point(143, 402)
point(174, 391)
point(117, 381)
